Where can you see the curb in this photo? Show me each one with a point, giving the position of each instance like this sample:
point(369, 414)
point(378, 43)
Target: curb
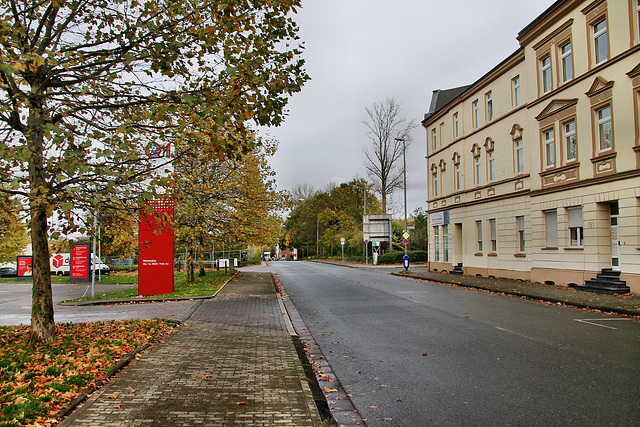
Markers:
point(534, 297)
point(144, 300)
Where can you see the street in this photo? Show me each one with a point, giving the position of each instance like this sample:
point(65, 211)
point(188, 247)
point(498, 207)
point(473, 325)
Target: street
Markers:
point(413, 353)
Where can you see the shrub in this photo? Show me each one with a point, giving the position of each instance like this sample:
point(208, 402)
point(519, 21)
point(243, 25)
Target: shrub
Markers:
point(395, 257)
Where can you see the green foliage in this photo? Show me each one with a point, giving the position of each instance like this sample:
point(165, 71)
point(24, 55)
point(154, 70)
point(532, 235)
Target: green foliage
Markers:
point(13, 233)
point(395, 257)
point(329, 215)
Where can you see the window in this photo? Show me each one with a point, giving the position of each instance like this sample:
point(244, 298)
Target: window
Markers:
point(436, 241)
point(551, 228)
point(476, 114)
point(436, 184)
point(550, 148)
point(479, 235)
point(434, 139)
point(638, 16)
point(492, 166)
point(478, 171)
point(458, 180)
point(519, 156)
point(489, 100)
point(545, 63)
point(575, 227)
point(494, 239)
point(605, 136)
point(600, 42)
point(456, 126)
point(445, 242)
point(521, 242)
point(567, 62)
point(516, 90)
point(571, 145)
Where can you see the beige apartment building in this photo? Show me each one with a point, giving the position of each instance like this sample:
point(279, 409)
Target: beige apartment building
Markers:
point(534, 169)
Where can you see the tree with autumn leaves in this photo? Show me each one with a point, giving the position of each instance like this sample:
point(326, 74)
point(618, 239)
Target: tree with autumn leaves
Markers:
point(225, 200)
point(88, 87)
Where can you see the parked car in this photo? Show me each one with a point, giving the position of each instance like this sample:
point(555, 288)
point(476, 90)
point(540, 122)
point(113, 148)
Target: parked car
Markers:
point(8, 272)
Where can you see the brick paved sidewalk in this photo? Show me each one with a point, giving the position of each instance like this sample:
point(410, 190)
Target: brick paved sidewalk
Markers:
point(233, 362)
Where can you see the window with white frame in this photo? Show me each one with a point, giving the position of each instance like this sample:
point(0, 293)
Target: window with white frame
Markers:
point(638, 17)
point(547, 82)
point(519, 156)
point(479, 235)
point(476, 114)
point(551, 228)
point(600, 41)
point(515, 83)
point(489, 102)
point(457, 177)
point(576, 230)
point(571, 143)
point(521, 236)
point(494, 235)
point(436, 242)
point(456, 126)
point(445, 242)
point(492, 165)
point(549, 148)
point(478, 168)
point(605, 130)
point(436, 184)
point(434, 139)
point(567, 62)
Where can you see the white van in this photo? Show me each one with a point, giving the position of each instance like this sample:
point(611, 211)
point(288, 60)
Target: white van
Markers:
point(60, 264)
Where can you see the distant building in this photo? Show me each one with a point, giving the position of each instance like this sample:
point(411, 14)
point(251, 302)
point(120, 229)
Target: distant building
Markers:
point(534, 169)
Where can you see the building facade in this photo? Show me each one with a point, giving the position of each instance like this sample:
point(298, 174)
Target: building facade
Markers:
point(533, 171)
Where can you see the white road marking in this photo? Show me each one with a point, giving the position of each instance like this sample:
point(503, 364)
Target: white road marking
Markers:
point(593, 321)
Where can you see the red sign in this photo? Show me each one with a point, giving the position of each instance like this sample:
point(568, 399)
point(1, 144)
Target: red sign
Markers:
point(155, 240)
point(25, 266)
point(79, 268)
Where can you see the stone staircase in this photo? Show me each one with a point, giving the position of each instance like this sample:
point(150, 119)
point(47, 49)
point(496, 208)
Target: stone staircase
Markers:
point(608, 282)
point(457, 270)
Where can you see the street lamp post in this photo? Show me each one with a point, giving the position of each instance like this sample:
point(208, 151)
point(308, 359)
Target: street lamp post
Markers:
point(404, 169)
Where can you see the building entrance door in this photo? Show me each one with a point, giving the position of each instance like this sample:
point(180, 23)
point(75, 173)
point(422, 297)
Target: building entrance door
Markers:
point(615, 237)
point(457, 243)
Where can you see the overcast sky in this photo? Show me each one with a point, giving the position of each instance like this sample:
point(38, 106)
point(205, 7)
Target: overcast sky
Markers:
point(362, 51)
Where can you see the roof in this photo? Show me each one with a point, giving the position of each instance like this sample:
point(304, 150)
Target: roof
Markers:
point(440, 98)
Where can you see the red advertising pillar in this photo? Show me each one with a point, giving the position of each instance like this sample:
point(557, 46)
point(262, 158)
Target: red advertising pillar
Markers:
point(155, 240)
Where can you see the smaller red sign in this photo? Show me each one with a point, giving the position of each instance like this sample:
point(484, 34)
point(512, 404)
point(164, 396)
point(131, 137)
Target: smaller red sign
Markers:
point(79, 268)
point(25, 266)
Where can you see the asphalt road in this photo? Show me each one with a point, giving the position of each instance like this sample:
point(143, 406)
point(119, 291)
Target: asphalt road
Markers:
point(414, 353)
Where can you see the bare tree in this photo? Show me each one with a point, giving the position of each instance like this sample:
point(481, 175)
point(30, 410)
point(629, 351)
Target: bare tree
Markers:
point(388, 132)
point(302, 192)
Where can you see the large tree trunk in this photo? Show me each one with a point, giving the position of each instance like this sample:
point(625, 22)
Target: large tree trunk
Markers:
point(201, 271)
point(190, 275)
point(42, 323)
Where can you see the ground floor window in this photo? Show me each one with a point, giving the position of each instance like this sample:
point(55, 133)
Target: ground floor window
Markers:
point(521, 242)
point(551, 228)
point(479, 235)
point(436, 242)
point(576, 238)
point(445, 242)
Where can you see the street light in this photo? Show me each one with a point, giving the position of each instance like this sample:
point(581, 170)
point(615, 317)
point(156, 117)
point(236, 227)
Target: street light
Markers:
point(404, 169)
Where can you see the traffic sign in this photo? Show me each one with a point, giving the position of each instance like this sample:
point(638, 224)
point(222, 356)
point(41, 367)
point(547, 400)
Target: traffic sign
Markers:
point(342, 240)
point(405, 235)
point(366, 241)
point(405, 242)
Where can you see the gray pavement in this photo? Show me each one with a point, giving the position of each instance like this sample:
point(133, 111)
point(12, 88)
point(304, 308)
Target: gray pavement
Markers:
point(233, 362)
point(628, 304)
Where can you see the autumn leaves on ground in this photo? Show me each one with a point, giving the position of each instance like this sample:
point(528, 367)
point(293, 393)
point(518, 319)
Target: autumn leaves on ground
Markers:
point(37, 381)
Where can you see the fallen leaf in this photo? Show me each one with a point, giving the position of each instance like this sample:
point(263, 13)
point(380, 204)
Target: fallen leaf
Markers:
point(425, 354)
point(117, 405)
point(113, 396)
point(241, 403)
point(330, 390)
